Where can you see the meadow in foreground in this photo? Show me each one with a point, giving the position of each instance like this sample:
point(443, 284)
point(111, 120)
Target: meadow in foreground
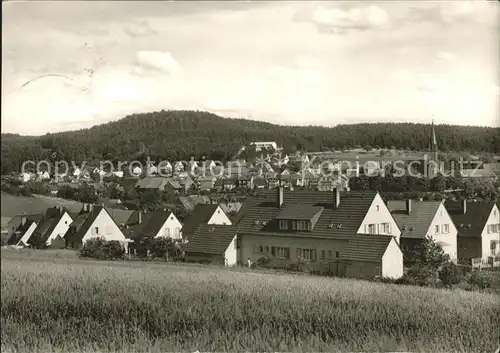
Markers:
point(75, 305)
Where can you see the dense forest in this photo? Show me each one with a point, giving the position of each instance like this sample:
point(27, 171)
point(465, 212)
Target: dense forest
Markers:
point(177, 135)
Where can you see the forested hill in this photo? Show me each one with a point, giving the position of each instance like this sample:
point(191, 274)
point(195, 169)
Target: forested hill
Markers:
point(176, 135)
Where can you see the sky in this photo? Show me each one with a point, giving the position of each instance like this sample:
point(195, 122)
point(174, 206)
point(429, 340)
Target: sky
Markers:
point(69, 65)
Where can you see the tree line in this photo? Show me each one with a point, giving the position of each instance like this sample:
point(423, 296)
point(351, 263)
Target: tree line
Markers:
point(180, 135)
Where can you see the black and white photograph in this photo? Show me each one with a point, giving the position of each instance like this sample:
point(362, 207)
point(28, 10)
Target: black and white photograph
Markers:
point(250, 176)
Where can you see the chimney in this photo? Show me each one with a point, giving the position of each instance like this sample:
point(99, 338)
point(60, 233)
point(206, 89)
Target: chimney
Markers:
point(140, 217)
point(90, 207)
point(23, 220)
point(408, 206)
point(464, 206)
point(336, 198)
point(279, 196)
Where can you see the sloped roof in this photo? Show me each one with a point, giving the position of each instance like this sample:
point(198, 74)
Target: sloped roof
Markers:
point(201, 215)
point(151, 223)
point(365, 247)
point(299, 212)
point(151, 183)
point(119, 216)
point(82, 223)
point(472, 223)
point(261, 209)
point(189, 202)
point(210, 239)
point(18, 234)
point(417, 223)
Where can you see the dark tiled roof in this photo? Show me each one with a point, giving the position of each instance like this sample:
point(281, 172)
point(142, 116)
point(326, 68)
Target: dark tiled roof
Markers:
point(120, 216)
point(299, 212)
point(151, 183)
point(151, 223)
point(18, 234)
point(200, 215)
point(82, 223)
point(417, 223)
point(366, 247)
point(351, 212)
point(472, 223)
point(210, 239)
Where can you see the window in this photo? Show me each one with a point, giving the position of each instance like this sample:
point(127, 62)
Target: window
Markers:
point(377, 271)
point(436, 229)
point(109, 230)
point(493, 247)
point(371, 228)
point(378, 208)
point(322, 256)
point(167, 232)
point(386, 228)
point(266, 249)
point(330, 253)
point(308, 254)
point(283, 224)
point(294, 225)
point(95, 231)
point(261, 249)
point(280, 253)
point(337, 254)
point(446, 228)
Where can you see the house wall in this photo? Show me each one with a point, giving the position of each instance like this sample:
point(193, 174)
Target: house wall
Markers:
point(378, 216)
point(27, 235)
point(248, 243)
point(219, 218)
point(61, 228)
point(442, 218)
point(360, 269)
point(174, 227)
point(392, 261)
point(231, 254)
point(107, 228)
point(487, 238)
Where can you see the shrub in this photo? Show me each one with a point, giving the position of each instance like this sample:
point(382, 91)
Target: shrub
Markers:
point(300, 264)
point(406, 280)
point(264, 261)
point(101, 249)
point(450, 274)
point(483, 279)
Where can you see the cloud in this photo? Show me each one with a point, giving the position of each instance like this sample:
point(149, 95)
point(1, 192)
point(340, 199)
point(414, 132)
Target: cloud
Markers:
point(336, 20)
point(159, 61)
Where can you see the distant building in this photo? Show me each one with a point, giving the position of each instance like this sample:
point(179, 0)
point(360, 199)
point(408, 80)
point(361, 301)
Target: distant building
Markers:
point(259, 146)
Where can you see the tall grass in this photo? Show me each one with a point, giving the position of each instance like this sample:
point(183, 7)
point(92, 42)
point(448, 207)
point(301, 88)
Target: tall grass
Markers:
point(76, 306)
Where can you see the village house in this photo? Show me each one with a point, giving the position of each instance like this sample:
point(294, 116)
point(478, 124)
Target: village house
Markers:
point(154, 224)
point(52, 227)
point(424, 219)
point(21, 227)
point(259, 183)
point(190, 201)
point(93, 222)
point(259, 146)
point(204, 214)
point(245, 182)
point(206, 183)
point(17, 226)
point(317, 226)
point(152, 183)
point(213, 244)
point(478, 225)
